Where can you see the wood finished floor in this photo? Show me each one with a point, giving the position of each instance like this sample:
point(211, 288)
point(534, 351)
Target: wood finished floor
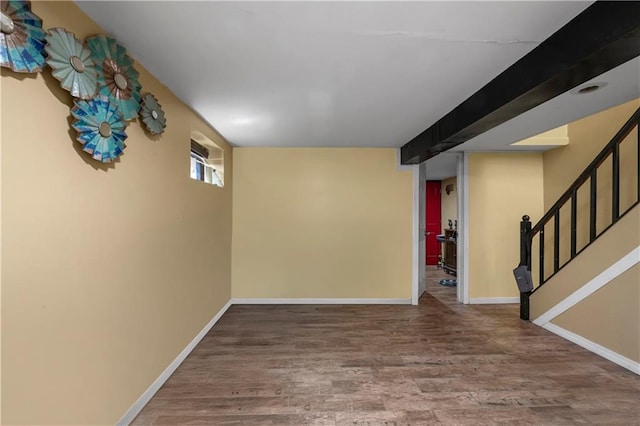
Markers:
point(438, 363)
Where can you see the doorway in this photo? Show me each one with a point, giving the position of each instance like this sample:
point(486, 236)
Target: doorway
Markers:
point(443, 178)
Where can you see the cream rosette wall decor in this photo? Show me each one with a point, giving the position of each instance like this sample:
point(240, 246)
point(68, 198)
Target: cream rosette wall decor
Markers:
point(21, 37)
point(100, 128)
point(152, 114)
point(71, 63)
point(117, 79)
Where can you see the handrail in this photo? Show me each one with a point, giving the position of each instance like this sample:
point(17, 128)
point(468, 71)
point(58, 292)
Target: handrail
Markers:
point(586, 174)
point(528, 233)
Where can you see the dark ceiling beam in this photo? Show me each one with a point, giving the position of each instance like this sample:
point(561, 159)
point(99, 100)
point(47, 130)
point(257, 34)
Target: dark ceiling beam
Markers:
point(602, 37)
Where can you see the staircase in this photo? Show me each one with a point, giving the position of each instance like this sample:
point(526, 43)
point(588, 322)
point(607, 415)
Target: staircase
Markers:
point(588, 238)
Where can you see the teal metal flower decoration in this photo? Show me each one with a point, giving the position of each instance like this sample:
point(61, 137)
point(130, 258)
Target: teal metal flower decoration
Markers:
point(117, 79)
point(21, 37)
point(152, 114)
point(71, 63)
point(100, 128)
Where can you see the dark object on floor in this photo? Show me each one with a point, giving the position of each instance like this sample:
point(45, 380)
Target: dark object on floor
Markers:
point(448, 283)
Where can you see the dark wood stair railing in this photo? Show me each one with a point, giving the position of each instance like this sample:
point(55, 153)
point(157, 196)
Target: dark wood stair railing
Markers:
point(528, 232)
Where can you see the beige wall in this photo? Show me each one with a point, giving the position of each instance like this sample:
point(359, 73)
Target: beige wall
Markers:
point(321, 223)
point(108, 271)
point(611, 316)
point(502, 188)
point(1, 256)
point(562, 166)
point(449, 203)
point(587, 138)
point(551, 138)
point(602, 253)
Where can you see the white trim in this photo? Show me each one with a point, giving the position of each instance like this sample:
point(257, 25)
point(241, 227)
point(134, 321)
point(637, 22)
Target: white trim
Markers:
point(602, 279)
point(597, 349)
point(415, 241)
point(493, 300)
point(312, 301)
point(146, 396)
point(399, 165)
point(151, 390)
point(463, 225)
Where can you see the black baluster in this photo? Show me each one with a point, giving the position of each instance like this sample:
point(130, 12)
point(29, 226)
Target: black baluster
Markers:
point(574, 220)
point(525, 259)
point(541, 255)
point(592, 205)
point(556, 241)
point(615, 207)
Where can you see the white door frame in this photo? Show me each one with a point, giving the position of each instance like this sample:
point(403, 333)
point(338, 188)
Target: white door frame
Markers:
point(418, 283)
point(462, 188)
point(462, 183)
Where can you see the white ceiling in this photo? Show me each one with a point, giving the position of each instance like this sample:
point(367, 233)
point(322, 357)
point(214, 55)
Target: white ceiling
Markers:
point(442, 166)
point(329, 73)
point(622, 85)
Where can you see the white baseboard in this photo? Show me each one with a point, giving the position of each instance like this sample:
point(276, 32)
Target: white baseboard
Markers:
point(135, 409)
point(157, 384)
point(493, 300)
point(597, 349)
point(311, 301)
point(605, 277)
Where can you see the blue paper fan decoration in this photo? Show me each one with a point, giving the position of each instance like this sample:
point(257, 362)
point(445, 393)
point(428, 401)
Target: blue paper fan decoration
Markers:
point(71, 63)
point(21, 37)
point(152, 114)
point(117, 79)
point(100, 128)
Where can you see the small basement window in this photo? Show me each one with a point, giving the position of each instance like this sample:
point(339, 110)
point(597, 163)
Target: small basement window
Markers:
point(207, 160)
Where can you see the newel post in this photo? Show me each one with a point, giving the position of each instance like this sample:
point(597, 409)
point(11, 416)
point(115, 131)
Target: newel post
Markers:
point(525, 260)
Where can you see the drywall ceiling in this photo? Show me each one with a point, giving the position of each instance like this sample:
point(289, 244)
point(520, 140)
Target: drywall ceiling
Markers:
point(327, 73)
point(442, 166)
point(619, 85)
point(622, 84)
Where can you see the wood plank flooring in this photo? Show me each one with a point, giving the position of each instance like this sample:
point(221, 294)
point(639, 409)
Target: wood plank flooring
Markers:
point(438, 363)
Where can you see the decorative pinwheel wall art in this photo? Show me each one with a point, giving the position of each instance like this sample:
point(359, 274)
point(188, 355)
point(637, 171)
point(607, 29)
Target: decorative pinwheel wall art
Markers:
point(71, 63)
point(100, 74)
point(21, 37)
point(100, 128)
point(152, 114)
point(117, 79)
